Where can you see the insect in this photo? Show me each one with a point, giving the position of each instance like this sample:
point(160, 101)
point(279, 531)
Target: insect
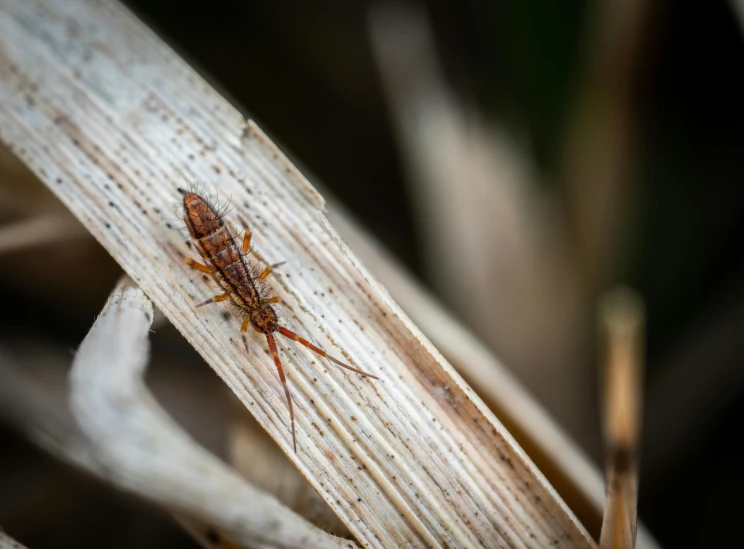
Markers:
point(242, 283)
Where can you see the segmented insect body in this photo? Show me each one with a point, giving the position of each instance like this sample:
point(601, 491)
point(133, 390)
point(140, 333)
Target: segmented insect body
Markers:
point(241, 283)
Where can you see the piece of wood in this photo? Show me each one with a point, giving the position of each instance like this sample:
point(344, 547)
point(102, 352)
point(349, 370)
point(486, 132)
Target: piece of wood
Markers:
point(114, 122)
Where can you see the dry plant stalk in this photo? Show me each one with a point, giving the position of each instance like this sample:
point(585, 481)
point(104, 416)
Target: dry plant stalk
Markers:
point(622, 325)
point(114, 122)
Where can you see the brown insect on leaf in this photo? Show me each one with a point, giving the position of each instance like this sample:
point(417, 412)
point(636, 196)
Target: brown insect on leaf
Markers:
point(242, 284)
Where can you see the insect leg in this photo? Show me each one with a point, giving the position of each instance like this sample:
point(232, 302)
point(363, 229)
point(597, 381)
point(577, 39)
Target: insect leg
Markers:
point(275, 354)
point(268, 270)
point(198, 266)
point(246, 240)
point(291, 335)
point(214, 299)
point(243, 329)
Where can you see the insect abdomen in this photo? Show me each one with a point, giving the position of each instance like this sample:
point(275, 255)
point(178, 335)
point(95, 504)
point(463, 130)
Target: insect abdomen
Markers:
point(236, 275)
point(200, 217)
point(217, 246)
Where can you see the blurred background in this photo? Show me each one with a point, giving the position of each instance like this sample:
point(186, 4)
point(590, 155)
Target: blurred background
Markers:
point(520, 158)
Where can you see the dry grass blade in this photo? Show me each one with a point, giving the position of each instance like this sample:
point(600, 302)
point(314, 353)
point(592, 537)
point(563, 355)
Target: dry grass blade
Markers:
point(115, 125)
point(622, 323)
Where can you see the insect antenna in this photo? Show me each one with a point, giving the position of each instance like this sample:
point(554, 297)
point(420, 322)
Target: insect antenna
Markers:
point(291, 335)
point(275, 354)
